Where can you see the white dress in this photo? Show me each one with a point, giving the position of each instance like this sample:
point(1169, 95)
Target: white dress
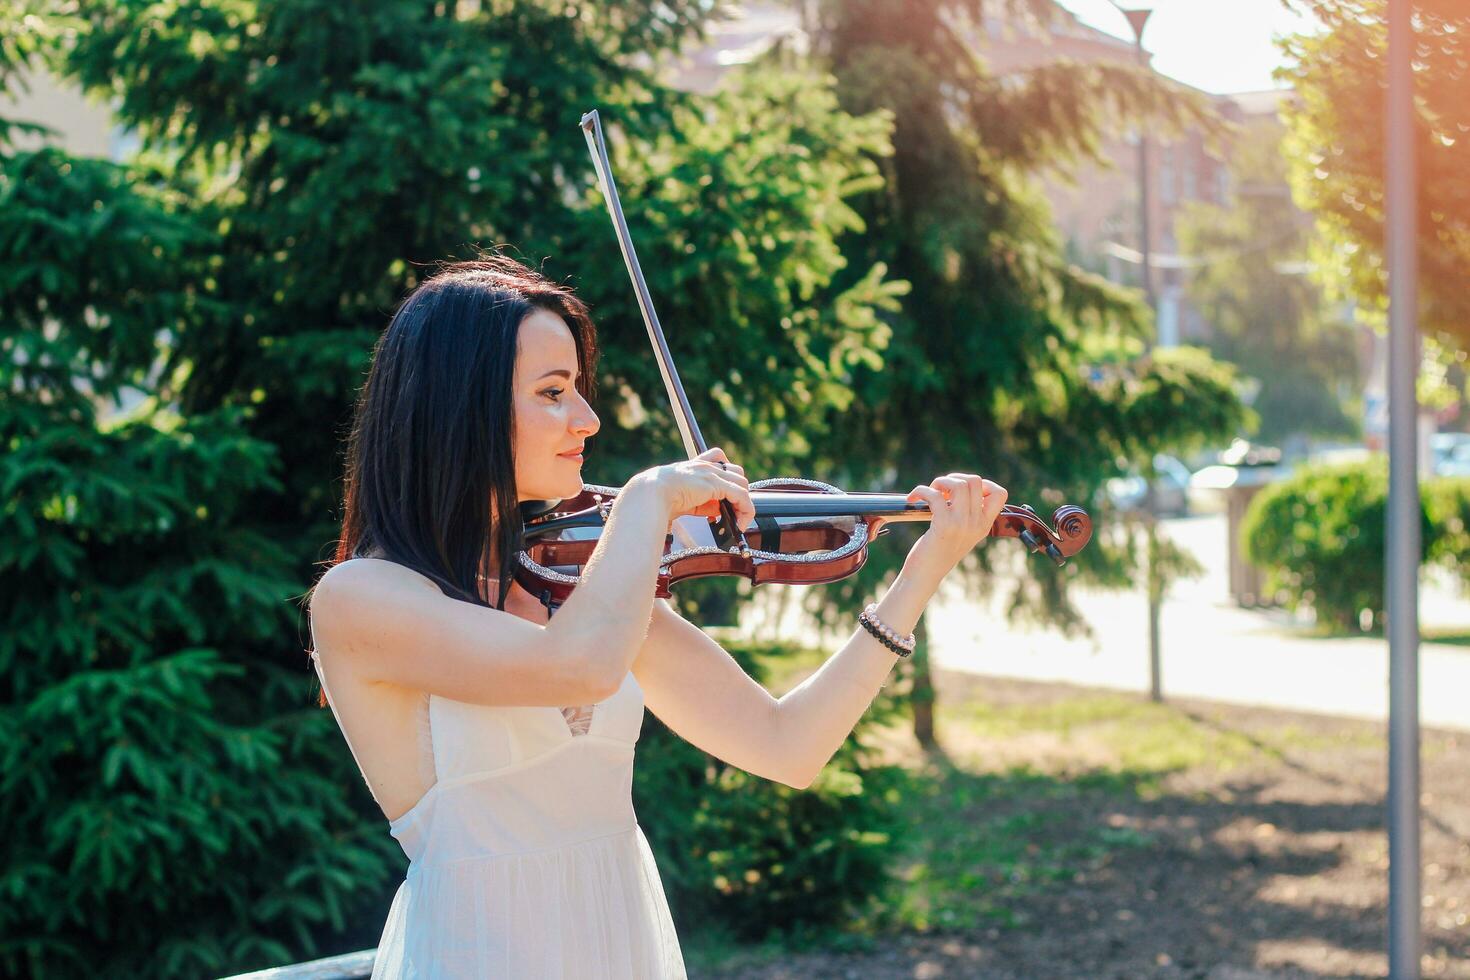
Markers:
point(526, 860)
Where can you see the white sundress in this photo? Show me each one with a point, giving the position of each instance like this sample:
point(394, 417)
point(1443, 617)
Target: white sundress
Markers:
point(526, 859)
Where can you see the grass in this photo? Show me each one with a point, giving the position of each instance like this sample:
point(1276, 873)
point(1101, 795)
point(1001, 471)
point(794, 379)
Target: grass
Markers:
point(1019, 802)
point(1456, 636)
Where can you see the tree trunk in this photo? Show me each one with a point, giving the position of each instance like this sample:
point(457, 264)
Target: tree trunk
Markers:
point(1155, 588)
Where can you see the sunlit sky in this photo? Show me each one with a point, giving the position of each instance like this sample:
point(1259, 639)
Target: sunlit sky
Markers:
point(1215, 45)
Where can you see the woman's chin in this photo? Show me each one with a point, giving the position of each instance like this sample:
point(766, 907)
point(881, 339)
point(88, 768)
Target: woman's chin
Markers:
point(560, 491)
point(553, 490)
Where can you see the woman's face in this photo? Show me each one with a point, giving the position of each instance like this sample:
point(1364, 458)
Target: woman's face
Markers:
point(551, 418)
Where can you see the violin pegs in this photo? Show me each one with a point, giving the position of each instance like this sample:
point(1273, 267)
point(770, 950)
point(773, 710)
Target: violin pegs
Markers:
point(1030, 539)
point(1055, 553)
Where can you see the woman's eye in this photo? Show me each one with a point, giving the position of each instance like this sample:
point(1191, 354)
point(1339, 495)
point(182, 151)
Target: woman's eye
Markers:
point(553, 393)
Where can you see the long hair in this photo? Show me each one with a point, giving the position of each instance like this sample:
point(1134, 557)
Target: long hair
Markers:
point(430, 474)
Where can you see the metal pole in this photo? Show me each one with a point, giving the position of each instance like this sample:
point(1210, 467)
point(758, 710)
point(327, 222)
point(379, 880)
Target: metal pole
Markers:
point(1403, 505)
point(1143, 189)
point(1137, 18)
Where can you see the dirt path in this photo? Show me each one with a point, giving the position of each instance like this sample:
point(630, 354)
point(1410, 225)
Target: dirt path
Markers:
point(1274, 866)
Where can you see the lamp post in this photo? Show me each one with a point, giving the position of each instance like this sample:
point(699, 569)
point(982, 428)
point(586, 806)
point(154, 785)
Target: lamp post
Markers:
point(1137, 12)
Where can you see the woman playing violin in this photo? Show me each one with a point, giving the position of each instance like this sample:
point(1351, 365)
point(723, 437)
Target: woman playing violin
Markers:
point(499, 739)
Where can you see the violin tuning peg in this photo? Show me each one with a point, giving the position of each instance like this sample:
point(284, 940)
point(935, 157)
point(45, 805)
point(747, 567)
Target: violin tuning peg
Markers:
point(1055, 553)
point(1030, 539)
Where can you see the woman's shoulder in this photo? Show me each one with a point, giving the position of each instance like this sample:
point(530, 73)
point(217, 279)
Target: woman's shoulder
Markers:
point(360, 585)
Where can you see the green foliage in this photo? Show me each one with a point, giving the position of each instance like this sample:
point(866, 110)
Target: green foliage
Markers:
point(1336, 145)
point(754, 858)
point(315, 157)
point(1266, 317)
point(1005, 359)
point(157, 821)
point(1447, 502)
point(736, 210)
point(1319, 535)
point(301, 161)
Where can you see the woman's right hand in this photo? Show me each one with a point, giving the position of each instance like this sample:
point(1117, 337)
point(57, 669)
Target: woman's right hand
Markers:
point(696, 486)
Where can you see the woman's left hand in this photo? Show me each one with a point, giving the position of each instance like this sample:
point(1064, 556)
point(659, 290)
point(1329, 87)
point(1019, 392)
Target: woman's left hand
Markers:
point(965, 507)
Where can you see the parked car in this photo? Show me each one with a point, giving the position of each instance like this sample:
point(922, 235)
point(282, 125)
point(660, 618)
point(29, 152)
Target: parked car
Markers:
point(1243, 464)
point(1451, 453)
point(1170, 488)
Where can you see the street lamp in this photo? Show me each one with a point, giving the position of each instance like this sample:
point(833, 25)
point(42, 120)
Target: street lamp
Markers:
point(1137, 12)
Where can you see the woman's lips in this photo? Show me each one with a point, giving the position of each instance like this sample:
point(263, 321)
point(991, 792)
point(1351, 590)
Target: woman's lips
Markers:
point(575, 456)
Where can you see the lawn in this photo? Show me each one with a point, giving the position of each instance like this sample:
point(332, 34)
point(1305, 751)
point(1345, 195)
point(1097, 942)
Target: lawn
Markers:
point(1073, 833)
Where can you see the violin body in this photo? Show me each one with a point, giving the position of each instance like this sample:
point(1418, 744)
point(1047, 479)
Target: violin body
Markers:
point(805, 532)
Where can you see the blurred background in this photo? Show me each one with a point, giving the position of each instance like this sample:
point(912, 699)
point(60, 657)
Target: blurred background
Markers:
point(1126, 256)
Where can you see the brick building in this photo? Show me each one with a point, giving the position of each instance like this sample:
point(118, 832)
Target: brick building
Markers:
point(1096, 208)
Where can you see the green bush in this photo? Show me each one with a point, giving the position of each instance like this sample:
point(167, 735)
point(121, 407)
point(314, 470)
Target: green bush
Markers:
point(1447, 500)
point(1319, 536)
point(754, 858)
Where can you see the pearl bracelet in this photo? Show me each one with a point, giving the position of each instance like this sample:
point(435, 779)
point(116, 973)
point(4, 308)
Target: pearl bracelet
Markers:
point(885, 634)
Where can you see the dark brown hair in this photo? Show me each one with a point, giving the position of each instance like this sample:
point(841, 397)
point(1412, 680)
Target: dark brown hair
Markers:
point(430, 474)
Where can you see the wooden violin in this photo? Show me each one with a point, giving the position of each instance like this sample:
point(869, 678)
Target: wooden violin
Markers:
point(804, 531)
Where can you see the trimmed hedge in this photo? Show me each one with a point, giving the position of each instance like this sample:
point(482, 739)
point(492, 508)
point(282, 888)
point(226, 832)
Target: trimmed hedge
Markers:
point(1320, 537)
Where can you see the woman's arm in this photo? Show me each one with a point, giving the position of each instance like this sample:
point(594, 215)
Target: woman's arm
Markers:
point(389, 624)
point(817, 715)
point(696, 688)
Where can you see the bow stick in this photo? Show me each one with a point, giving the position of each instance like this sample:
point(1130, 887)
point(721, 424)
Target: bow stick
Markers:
point(694, 443)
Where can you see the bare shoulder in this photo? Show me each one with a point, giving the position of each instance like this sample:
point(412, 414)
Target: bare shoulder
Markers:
point(394, 626)
point(361, 593)
point(372, 575)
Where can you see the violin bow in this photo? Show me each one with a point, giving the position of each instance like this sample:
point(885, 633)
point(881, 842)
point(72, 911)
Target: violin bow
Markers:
point(694, 443)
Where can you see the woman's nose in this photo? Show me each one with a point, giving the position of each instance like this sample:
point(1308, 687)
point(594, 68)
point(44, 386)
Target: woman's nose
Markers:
point(588, 423)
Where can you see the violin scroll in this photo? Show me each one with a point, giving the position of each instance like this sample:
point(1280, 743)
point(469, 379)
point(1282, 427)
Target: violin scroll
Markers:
point(1070, 530)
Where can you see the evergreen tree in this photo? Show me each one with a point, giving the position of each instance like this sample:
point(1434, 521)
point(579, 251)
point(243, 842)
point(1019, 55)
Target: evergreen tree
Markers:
point(136, 777)
point(1005, 359)
point(327, 154)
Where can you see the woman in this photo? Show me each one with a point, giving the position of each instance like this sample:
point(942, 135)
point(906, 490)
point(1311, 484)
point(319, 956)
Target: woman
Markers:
point(499, 740)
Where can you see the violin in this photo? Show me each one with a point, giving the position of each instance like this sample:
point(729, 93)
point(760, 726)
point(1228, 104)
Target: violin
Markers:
point(804, 531)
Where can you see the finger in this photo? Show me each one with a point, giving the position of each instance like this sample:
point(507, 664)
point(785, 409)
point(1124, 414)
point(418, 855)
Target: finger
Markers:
point(930, 496)
point(732, 478)
point(977, 501)
point(995, 499)
point(729, 467)
point(720, 466)
point(947, 484)
point(739, 499)
point(951, 490)
point(922, 492)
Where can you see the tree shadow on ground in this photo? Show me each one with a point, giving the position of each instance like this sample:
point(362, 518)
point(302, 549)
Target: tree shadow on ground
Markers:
point(1275, 868)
